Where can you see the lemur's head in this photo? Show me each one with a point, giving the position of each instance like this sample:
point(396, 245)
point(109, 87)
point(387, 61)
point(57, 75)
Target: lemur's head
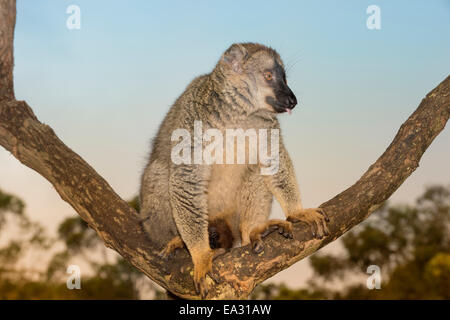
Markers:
point(257, 73)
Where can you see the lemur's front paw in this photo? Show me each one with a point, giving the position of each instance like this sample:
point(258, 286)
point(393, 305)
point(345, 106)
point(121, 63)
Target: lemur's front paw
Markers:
point(283, 227)
point(203, 267)
point(316, 218)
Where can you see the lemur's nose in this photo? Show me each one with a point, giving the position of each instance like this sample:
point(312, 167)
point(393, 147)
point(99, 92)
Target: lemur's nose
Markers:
point(292, 101)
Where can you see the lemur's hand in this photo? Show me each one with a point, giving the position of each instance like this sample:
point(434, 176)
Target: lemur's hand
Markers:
point(316, 218)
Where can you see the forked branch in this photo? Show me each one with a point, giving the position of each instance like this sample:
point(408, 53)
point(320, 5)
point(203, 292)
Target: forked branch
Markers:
point(37, 146)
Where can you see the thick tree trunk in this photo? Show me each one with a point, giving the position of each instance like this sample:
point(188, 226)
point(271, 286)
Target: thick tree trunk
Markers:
point(7, 23)
point(37, 146)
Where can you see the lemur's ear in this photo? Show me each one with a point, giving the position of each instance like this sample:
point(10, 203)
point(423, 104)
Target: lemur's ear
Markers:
point(235, 57)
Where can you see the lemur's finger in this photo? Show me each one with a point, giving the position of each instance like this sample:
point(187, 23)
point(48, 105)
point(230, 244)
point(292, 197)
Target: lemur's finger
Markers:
point(197, 286)
point(285, 232)
point(257, 246)
point(325, 229)
point(322, 212)
point(203, 288)
point(164, 254)
point(317, 233)
point(269, 230)
point(214, 277)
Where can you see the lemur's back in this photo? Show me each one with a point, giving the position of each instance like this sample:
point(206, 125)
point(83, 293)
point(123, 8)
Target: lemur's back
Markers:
point(154, 194)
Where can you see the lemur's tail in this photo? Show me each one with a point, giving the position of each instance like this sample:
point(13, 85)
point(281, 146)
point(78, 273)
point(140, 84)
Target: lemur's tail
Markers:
point(220, 235)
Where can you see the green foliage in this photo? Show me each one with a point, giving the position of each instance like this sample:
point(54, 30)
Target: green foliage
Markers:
point(110, 277)
point(77, 235)
point(9, 204)
point(327, 266)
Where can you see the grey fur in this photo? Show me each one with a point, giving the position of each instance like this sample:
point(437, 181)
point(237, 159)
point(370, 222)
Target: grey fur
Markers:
point(181, 199)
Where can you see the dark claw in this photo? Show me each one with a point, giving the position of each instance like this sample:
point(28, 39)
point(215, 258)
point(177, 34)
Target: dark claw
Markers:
point(214, 277)
point(163, 255)
point(288, 235)
point(201, 288)
point(197, 287)
point(269, 230)
point(322, 212)
point(266, 233)
point(325, 229)
point(285, 233)
point(258, 246)
point(204, 293)
point(320, 232)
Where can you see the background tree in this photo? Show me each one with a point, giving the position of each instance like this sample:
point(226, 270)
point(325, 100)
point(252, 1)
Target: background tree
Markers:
point(102, 278)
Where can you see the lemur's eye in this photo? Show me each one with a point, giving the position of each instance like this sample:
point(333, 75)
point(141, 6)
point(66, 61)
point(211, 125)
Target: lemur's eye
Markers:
point(268, 75)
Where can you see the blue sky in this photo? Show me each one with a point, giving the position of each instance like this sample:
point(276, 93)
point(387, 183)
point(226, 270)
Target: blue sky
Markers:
point(106, 87)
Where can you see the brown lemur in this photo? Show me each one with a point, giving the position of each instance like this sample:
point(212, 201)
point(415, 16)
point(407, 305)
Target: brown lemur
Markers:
point(180, 202)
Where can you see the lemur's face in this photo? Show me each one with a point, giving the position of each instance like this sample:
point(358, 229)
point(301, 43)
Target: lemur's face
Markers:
point(258, 75)
point(272, 90)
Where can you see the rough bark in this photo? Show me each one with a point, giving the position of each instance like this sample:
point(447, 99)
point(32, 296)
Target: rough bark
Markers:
point(37, 146)
point(7, 22)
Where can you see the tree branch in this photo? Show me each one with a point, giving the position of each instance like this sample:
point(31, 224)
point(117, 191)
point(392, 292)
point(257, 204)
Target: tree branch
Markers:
point(37, 146)
point(7, 23)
